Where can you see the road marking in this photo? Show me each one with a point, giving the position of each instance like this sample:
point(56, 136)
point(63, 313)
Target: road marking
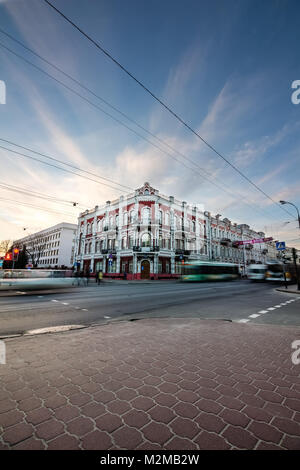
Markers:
point(105, 316)
point(20, 292)
point(85, 309)
point(40, 296)
point(254, 315)
point(53, 329)
point(54, 300)
point(244, 320)
point(271, 308)
point(263, 311)
point(65, 303)
point(277, 306)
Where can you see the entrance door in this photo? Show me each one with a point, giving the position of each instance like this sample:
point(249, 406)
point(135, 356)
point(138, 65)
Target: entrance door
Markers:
point(145, 269)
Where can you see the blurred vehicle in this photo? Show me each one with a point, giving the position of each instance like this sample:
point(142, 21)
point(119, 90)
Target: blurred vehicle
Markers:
point(276, 271)
point(209, 271)
point(35, 279)
point(257, 272)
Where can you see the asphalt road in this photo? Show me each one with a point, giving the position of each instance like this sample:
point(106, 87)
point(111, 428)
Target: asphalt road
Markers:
point(240, 301)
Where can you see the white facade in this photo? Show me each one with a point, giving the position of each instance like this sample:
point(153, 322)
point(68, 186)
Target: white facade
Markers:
point(51, 247)
point(147, 234)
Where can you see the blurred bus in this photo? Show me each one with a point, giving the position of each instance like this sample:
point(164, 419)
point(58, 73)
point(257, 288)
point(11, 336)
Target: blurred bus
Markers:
point(209, 271)
point(35, 279)
point(257, 272)
point(276, 270)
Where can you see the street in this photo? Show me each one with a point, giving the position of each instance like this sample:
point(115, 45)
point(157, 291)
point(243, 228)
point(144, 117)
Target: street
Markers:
point(239, 301)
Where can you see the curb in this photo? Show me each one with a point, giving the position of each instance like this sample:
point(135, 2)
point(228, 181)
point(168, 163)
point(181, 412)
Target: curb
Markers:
point(289, 291)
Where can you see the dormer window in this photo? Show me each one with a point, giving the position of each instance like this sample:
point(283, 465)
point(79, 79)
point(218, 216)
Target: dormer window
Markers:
point(146, 192)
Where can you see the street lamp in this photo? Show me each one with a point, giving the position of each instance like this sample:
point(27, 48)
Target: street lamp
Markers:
point(286, 202)
point(294, 250)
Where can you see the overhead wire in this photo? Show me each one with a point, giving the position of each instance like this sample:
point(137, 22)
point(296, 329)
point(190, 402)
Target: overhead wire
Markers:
point(163, 104)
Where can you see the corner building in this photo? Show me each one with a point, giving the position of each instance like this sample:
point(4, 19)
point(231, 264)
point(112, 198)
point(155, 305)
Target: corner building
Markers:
point(148, 235)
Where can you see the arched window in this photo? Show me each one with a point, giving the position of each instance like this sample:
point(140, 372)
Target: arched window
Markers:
point(125, 218)
point(160, 217)
point(146, 215)
point(146, 239)
point(131, 216)
point(111, 221)
point(131, 241)
point(167, 218)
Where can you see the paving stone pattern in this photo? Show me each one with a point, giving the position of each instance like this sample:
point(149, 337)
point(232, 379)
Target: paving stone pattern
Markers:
point(179, 384)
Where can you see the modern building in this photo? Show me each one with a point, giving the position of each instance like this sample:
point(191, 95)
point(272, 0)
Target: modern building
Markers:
point(149, 235)
point(51, 247)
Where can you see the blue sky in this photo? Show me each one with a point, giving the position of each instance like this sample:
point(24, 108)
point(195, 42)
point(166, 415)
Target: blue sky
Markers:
point(226, 67)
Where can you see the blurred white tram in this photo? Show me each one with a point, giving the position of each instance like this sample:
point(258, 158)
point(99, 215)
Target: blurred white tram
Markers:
point(35, 279)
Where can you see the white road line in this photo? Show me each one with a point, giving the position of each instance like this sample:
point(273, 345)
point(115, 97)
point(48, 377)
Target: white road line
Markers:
point(277, 306)
point(65, 303)
point(244, 320)
point(271, 308)
point(54, 300)
point(85, 309)
point(105, 316)
point(263, 311)
point(254, 315)
point(40, 296)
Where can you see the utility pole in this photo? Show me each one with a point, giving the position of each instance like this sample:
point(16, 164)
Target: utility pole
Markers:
point(296, 267)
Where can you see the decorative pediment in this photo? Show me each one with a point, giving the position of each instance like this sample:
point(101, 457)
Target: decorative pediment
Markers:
point(146, 190)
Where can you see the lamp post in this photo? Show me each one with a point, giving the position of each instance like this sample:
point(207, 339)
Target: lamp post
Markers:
point(287, 202)
point(294, 250)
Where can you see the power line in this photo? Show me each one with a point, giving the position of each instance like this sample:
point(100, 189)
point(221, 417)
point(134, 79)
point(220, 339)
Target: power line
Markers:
point(84, 87)
point(132, 130)
point(181, 120)
point(95, 106)
point(20, 190)
point(12, 201)
point(52, 165)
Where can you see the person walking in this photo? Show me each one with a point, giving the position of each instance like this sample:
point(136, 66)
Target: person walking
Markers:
point(99, 278)
point(81, 277)
point(87, 275)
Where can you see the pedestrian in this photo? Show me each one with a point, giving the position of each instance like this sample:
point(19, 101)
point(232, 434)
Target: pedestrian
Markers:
point(100, 276)
point(76, 275)
point(97, 276)
point(87, 275)
point(125, 275)
point(81, 277)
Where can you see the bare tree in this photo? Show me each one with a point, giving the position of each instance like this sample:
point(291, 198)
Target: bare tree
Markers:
point(5, 245)
point(34, 247)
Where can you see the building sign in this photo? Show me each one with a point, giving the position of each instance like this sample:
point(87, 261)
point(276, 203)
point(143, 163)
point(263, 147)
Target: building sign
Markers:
point(255, 240)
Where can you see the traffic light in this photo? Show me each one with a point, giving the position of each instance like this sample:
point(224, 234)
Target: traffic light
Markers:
point(16, 252)
point(8, 256)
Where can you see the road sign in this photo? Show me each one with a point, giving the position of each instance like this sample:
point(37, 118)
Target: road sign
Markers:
point(1, 263)
point(280, 245)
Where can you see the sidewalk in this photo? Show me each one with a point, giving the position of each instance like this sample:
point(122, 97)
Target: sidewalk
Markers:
point(152, 384)
point(290, 290)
